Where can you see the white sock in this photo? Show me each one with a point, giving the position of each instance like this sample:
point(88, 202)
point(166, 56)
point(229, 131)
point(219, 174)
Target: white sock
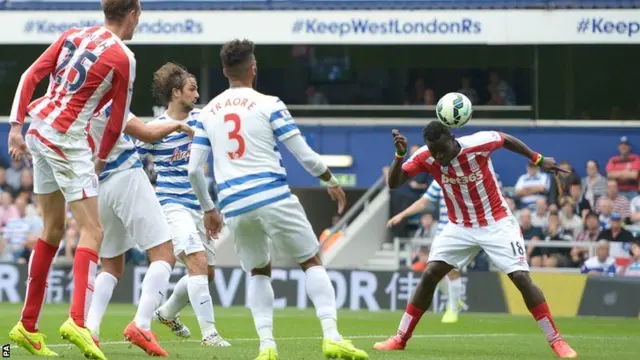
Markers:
point(154, 286)
point(455, 288)
point(260, 298)
point(102, 292)
point(323, 296)
point(200, 298)
point(177, 301)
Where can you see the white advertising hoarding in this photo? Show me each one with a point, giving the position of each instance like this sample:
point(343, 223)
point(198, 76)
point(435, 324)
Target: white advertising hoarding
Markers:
point(493, 27)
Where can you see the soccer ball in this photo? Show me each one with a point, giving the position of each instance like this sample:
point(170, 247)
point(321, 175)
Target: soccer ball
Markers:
point(454, 110)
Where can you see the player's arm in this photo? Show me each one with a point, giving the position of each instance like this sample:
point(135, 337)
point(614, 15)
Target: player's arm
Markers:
point(149, 133)
point(399, 171)
point(43, 66)
point(122, 90)
point(515, 145)
point(200, 150)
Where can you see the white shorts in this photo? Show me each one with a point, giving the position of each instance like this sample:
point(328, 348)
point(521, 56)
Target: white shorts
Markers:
point(188, 233)
point(61, 162)
point(130, 213)
point(502, 241)
point(284, 222)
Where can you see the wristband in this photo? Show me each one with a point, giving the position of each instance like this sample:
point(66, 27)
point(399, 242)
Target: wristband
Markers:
point(537, 158)
point(400, 155)
point(333, 182)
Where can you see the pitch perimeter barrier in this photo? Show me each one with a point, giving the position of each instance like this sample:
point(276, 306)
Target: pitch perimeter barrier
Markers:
point(567, 294)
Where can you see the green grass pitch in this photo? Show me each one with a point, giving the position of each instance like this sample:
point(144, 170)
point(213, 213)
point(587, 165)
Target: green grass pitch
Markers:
point(475, 336)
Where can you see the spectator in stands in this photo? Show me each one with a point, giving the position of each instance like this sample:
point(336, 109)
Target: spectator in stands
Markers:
point(427, 227)
point(540, 217)
point(416, 96)
point(513, 206)
point(3, 179)
point(420, 259)
point(602, 263)
point(315, 97)
point(13, 176)
point(620, 237)
point(26, 181)
point(5, 253)
point(468, 91)
point(589, 234)
point(566, 179)
point(8, 211)
point(625, 169)
point(70, 241)
point(28, 248)
point(532, 185)
point(594, 185)
point(634, 268)
point(605, 209)
point(635, 211)
point(429, 97)
point(580, 205)
point(553, 256)
point(529, 232)
point(621, 204)
point(569, 220)
point(501, 93)
point(17, 230)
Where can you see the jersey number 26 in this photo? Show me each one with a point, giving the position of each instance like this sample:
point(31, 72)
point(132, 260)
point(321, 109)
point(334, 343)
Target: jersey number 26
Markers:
point(234, 134)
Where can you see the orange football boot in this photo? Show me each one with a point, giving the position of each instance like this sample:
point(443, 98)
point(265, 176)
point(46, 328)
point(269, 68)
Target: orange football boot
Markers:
point(146, 340)
point(392, 343)
point(563, 350)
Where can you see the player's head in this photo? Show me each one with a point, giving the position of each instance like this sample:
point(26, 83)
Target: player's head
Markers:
point(123, 15)
point(441, 142)
point(174, 85)
point(238, 62)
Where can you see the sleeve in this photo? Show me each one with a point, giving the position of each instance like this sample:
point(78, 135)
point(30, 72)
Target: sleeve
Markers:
point(433, 193)
point(519, 183)
point(584, 269)
point(197, 160)
point(611, 269)
point(416, 165)
point(201, 138)
point(43, 66)
point(282, 123)
point(309, 159)
point(489, 141)
point(122, 90)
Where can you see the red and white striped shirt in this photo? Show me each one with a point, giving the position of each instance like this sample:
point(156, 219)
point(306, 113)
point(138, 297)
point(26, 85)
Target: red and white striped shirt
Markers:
point(88, 67)
point(469, 183)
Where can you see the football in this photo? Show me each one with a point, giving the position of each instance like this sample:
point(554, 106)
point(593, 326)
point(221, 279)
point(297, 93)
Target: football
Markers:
point(454, 110)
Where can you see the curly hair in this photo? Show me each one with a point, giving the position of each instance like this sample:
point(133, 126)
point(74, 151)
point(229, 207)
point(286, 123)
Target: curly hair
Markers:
point(434, 130)
point(170, 76)
point(235, 56)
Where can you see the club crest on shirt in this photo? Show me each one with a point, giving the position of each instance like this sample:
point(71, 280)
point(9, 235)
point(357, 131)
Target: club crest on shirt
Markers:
point(180, 155)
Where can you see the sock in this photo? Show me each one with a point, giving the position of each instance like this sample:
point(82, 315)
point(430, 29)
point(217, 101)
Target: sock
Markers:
point(85, 267)
point(105, 283)
point(261, 298)
point(543, 317)
point(409, 321)
point(177, 301)
point(39, 266)
point(323, 296)
point(200, 298)
point(455, 288)
point(154, 287)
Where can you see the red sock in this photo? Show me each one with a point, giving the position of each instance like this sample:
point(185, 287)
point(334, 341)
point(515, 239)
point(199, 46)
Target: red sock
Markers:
point(85, 267)
point(409, 321)
point(39, 266)
point(543, 317)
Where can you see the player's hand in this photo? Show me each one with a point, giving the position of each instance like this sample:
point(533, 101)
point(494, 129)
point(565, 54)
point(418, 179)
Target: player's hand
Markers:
point(184, 128)
point(213, 223)
point(395, 220)
point(399, 141)
point(17, 147)
point(337, 194)
point(549, 164)
point(99, 165)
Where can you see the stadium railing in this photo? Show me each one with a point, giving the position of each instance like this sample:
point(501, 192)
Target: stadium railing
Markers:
point(404, 252)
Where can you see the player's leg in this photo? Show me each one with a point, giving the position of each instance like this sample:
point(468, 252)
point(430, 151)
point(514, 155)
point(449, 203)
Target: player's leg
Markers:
point(52, 203)
point(452, 248)
point(286, 224)
point(454, 287)
point(106, 281)
point(504, 245)
point(252, 248)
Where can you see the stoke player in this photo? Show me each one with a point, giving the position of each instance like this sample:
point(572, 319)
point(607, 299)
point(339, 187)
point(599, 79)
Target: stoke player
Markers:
point(435, 195)
point(479, 218)
point(175, 88)
point(130, 221)
point(243, 127)
point(87, 67)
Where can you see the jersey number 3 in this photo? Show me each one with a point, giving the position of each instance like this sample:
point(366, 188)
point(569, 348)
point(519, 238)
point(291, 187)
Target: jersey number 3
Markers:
point(234, 134)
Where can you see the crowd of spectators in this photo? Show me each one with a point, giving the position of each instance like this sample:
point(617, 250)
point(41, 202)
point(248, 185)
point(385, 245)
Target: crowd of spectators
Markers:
point(603, 207)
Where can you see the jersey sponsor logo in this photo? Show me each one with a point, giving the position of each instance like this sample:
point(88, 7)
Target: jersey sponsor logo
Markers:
point(180, 155)
point(462, 180)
